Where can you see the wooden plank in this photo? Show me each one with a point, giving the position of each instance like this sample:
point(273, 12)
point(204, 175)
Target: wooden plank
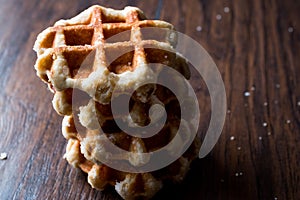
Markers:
point(256, 48)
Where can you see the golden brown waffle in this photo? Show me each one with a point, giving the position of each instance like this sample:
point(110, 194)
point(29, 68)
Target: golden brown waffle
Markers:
point(82, 56)
point(128, 185)
point(83, 152)
point(62, 49)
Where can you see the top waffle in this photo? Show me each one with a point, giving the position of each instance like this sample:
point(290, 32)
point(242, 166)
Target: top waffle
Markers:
point(63, 49)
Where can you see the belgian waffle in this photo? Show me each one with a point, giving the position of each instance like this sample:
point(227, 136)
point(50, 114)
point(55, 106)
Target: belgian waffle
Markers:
point(128, 185)
point(61, 49)
point(118, 64)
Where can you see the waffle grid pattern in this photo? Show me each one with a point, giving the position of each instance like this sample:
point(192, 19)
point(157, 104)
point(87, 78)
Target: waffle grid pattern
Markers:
point(63, 48)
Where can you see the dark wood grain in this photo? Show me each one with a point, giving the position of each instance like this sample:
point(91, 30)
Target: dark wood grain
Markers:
point(254, 52)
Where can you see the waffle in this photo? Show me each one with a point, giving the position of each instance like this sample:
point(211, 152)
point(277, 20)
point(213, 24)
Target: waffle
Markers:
point(128, 185)
point(89, 56)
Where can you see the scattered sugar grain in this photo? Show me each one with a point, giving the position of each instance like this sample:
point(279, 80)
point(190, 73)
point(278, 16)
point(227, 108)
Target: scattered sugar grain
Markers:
point(199, 28)
point(269, 133)
point(290, 29)
point(232, 138)
point(239, 174)
point(3, 156)
point(226, 9)
point(218, 17)
point(264, 124)
point(247, 94)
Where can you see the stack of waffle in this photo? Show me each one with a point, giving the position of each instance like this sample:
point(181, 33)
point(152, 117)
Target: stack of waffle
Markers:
point(88, 63)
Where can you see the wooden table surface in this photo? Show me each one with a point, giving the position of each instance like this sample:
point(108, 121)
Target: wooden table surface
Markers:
point(256, 48)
